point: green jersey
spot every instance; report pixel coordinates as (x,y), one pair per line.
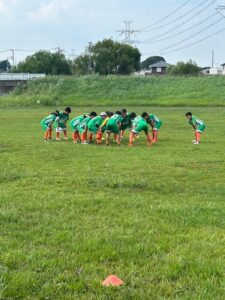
(83,124)
(196,122)
(115,119)
(153,118)
(95,124)
(154,122)
(126,122)
(75,121)
(63,118)
(49,119)
(140,124)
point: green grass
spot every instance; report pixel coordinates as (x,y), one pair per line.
(70,215)
(114,90)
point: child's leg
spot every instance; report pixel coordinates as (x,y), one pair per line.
(74,136)
(57,135)
(148,138)
(65,134)
(118,139)
(131,139)
(46,134)
(155,136)
(50,133)
(198,136)
(84,137)
(99,137)
(107,138)
(90,137)
(78,136)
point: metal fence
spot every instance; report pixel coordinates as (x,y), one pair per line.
(20,76)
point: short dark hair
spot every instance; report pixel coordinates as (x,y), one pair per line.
(93,114)
(133,115)
(123,110)
(117,112)
(55,113)
(144,114)
(68,109)
(188,114)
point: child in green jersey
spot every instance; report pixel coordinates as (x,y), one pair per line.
(62,120)
(83,127)
(155,123)
(113,126)
(102,128)
(74,126)
(198,126)
(94,125)
(140,124)
(127,121)
(46,124)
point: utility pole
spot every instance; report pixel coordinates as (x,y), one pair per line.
(89,55)
(127,32)
(12,56)
(58,49)
(212,58)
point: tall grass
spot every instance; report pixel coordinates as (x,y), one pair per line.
(115,90)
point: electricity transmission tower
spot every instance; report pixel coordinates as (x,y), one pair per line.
(127,32)
(220,10)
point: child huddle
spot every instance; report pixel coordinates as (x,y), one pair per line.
(86,126)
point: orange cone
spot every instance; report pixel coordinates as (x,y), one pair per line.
(112,280)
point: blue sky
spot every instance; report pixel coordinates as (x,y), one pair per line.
(71,24)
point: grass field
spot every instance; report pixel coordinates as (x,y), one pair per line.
(70,215)
(119,91)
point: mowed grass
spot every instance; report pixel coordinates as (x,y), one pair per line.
(70,215)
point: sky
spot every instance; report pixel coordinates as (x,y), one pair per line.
(164,27)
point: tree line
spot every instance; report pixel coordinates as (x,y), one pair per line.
(106,57)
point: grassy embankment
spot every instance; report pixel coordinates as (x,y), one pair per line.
(116,91)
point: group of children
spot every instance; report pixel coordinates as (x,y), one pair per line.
(86,126)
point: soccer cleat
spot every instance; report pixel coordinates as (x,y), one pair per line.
(193,141)
(57,139)
(196,143)
(84,143)
(65,138)
(130,145)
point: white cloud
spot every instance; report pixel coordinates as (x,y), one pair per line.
(52,10)
(4,8)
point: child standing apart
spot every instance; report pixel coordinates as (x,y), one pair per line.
(198,126)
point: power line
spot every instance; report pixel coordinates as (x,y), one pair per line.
(183,31)
(189,45)
(166,17)
(182,16)
(185,22)
(191,36)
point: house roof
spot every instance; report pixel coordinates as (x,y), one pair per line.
(223,65)
(159,64)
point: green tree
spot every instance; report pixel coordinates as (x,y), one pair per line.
(182,68)
(5,65)
(45,62)
(108,57)
(151,60)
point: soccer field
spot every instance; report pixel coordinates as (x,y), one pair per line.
(70,215)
